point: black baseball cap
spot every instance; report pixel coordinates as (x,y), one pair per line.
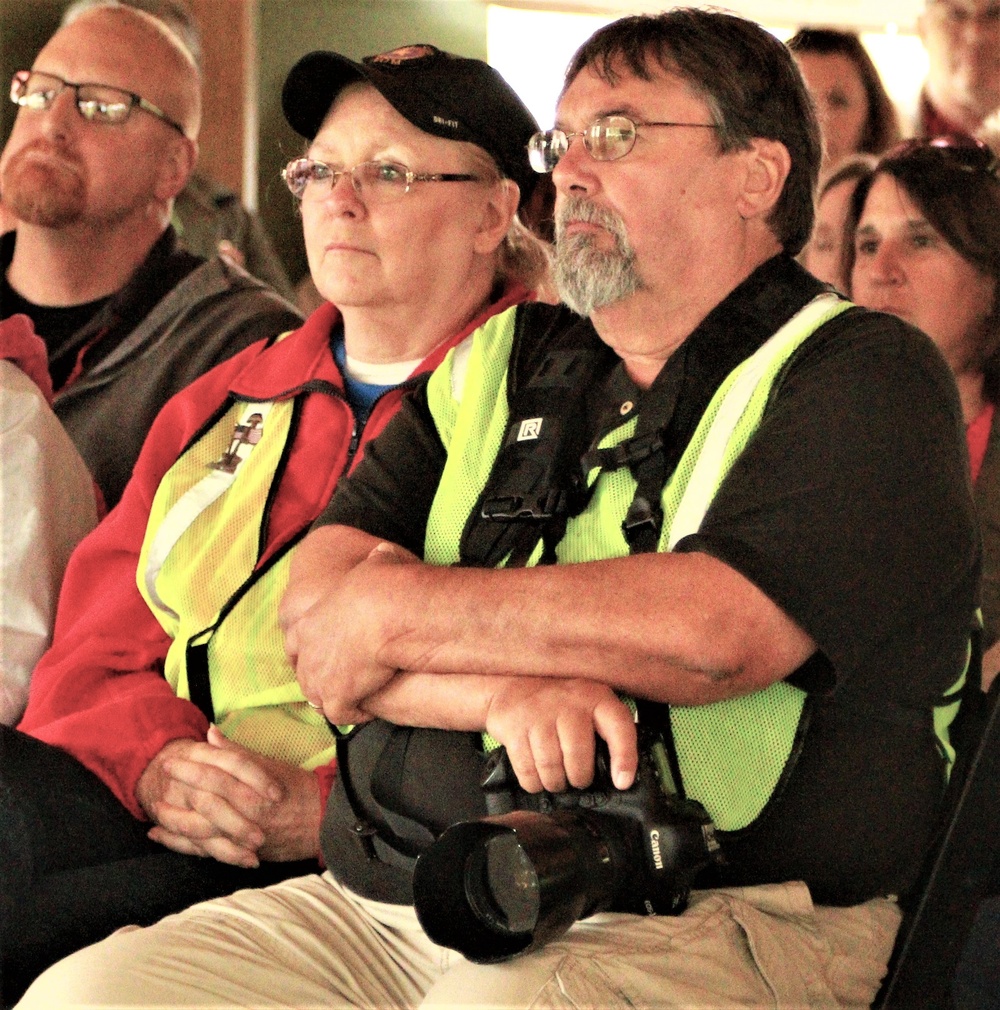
(440,93)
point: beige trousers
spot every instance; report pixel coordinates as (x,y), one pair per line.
(309,943)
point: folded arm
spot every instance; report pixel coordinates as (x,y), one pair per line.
(374,632)
(680,628)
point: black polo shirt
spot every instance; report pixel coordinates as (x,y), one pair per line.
(850,508)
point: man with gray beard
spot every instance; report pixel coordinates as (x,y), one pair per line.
(713,538)
(105,138)
(586,277)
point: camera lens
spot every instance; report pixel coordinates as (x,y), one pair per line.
(501,885)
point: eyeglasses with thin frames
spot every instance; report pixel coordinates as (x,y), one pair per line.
(606,139)
(374,181)
(97,103)
(956,15)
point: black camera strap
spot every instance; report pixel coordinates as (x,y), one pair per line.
(650,455)
(654,728)
(536,484)
(539,478)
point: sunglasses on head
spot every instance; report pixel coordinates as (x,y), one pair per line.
(967,153)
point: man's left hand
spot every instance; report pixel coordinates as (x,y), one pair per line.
(335,645)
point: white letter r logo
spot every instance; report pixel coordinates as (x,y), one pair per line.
(529,429)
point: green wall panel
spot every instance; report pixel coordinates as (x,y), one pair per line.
(288,29)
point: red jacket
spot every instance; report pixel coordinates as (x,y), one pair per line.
(98,692)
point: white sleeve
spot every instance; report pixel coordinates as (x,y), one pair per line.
(47,506)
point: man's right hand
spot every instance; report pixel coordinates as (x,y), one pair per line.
(336,644)
(208,801)
(550,728)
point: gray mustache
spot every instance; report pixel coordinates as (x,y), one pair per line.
(576,210)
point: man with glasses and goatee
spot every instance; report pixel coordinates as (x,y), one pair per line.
(719,520)
(105,138)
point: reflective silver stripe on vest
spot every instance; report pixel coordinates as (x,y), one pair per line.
(703,483)
(460,366)
(192,503)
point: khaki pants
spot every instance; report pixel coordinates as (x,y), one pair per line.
(310,943)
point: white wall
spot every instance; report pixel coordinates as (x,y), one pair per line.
(859,14)
(531,47)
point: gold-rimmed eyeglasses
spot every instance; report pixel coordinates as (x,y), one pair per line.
(97,103)
(606,139)
(372,180)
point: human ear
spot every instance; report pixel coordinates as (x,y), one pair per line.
(176,167)
(498,213)
(767,164)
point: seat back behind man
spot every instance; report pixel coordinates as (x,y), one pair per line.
(959,872)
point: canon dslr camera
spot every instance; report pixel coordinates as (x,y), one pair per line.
(506,884)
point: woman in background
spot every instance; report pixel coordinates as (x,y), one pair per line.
(927,249)
(826,254)
(855,111)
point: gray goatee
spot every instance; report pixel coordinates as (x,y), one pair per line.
(588,277)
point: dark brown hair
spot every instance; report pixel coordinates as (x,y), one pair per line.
(957,190)
(748,78)
(856,168)
(882,122)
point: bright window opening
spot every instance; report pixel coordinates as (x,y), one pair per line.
(532,48)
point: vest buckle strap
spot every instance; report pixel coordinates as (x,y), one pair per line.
(510,508)
(629,453)
(641,520)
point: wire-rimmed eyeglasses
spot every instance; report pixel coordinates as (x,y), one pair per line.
(97,103)
(606,139)
(372,180)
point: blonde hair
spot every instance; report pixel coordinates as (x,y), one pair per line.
(522,258)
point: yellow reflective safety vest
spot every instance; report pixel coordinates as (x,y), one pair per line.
(198,573)
(731,754)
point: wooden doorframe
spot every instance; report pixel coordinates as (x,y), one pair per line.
(229,87)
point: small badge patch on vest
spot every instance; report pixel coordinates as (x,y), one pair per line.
(248,434)
(529,429)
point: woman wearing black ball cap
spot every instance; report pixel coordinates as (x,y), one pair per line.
(415,168)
